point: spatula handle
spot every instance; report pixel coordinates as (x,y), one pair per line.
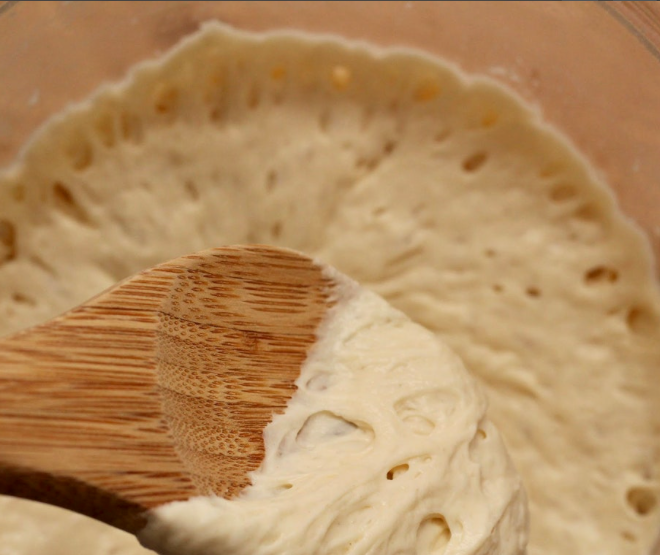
(160,388)
(81,422)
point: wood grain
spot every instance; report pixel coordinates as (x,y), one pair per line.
(160,388)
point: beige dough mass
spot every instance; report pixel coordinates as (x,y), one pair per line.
(440,192)
(384,448)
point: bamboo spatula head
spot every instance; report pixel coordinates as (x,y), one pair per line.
(158,389)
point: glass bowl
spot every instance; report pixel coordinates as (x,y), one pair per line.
(592,68)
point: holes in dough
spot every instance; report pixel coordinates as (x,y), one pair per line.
(562,192)
(40,263)
(18,192)
(324,120)
(130,127)
(418,209)
(640,319)
(600,274)
(270,538)
(441,136)
(419,424)
(367,117)
(389,147)
(476,445)
(551,169)
(320,382)
(278,73)
(433,536)
(253,97)
(341,77)
(367,164)
(105,129)
(422,412)
(281,488)
(217,113)
(20,298)
(587,213)
(348,528)
(427,90)
(533,292)
(272,178)
(489,119)
(80,154)
(7,241)
(213,94)
(628,536)
(643,500)
(475,161)
(65,202)
(397,471)
(276,230)
(165,99)
(326,427)
(62,194)
(404,257)
(191,190)
(585,223)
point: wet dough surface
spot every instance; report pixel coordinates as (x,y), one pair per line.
(385,447)
(439,192)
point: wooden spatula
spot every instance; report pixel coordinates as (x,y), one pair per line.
(158,389)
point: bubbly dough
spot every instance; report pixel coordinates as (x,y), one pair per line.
(440,192)
(384,448)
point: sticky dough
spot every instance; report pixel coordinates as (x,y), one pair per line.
(441,192)
(384,448)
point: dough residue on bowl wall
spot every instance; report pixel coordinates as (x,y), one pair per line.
(442,193)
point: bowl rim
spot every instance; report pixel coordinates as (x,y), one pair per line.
(641,19)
